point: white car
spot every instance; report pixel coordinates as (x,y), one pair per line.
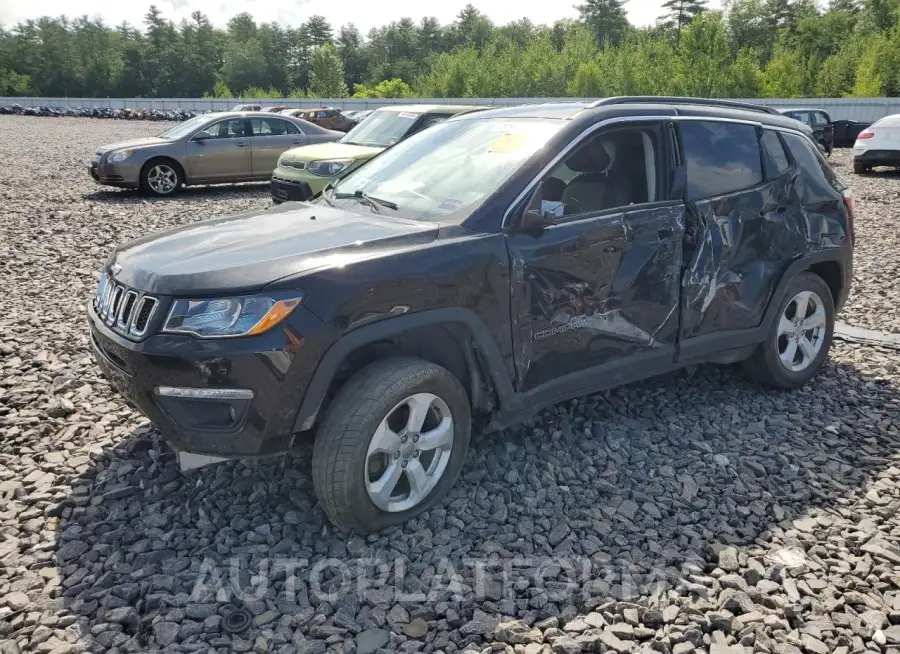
(877,145)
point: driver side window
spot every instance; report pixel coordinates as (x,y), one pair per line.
(611,170)
(227,129)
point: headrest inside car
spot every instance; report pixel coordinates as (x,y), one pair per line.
(589,158)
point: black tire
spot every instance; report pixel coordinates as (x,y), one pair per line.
(765,365)
(861,168)
(340,464)
(148,187)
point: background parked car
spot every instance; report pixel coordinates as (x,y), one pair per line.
(276,108)
(246,107)
(819,121)
(214,148)
(846,131)
(878,145)
(303,172)
(324,117)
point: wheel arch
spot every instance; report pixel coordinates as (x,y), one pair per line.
(832,265)
(453,338)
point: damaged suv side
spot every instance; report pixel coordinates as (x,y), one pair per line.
(476,272)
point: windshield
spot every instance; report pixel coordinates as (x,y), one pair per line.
(186,128)
(448,170)
(381,129)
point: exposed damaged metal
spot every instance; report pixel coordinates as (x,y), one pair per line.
(595,290)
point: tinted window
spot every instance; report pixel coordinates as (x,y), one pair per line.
(721,158)
(774,154)
(809,159)
(272,127)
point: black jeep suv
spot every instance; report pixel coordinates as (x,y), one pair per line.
(483,269)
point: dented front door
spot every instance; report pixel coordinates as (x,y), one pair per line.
(594,292)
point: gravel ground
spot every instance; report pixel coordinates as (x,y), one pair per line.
(692,512)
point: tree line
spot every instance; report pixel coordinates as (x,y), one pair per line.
(751,48)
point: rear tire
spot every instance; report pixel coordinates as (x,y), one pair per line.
(374,463)
(161,177)
(799,338)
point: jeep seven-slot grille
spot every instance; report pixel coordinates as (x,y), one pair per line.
(125,310)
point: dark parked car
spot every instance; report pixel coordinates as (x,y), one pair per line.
(819,121)
(491,265)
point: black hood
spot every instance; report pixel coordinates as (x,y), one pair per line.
(243,253)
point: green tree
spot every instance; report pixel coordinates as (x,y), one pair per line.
(606,19)
(353,55)
(779,79)
(326,73)
(243,65)
(319,30)
(680,13)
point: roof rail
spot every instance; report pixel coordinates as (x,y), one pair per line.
(670,99)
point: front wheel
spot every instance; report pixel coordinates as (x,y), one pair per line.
(861,168)
(161,177)
(800,336)
(391,445)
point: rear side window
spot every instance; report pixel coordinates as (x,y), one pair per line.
(774,155)
(720,157)
(819,119)
(809,159)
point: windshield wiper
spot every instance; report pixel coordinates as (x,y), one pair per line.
(367,199)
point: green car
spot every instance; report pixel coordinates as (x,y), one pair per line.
(303,172)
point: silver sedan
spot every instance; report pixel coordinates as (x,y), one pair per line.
(209,149)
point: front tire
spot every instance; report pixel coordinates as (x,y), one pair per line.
(391,445)
(861,168)
(161,177)
(799,338)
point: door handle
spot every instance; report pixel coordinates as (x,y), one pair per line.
(665,232)
(297,141)
(241,144)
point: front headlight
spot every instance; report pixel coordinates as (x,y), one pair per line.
(119,157)
(329,167)
(222,317)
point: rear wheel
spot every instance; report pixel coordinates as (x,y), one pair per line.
(161,177)
(798,341)
(391,445)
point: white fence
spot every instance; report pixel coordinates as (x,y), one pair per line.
(860,109)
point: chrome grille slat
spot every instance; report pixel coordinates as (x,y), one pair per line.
(142,314)
(126,310)
(114,303)
(126,307)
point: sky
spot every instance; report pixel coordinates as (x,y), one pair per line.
(365,14)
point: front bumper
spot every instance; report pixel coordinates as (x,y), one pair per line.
(257,422)
(286,190)
(122,175)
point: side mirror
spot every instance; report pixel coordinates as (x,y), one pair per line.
(537,217)
(202,136)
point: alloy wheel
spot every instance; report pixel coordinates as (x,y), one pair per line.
(801,331)
(409,452)
(162,179)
